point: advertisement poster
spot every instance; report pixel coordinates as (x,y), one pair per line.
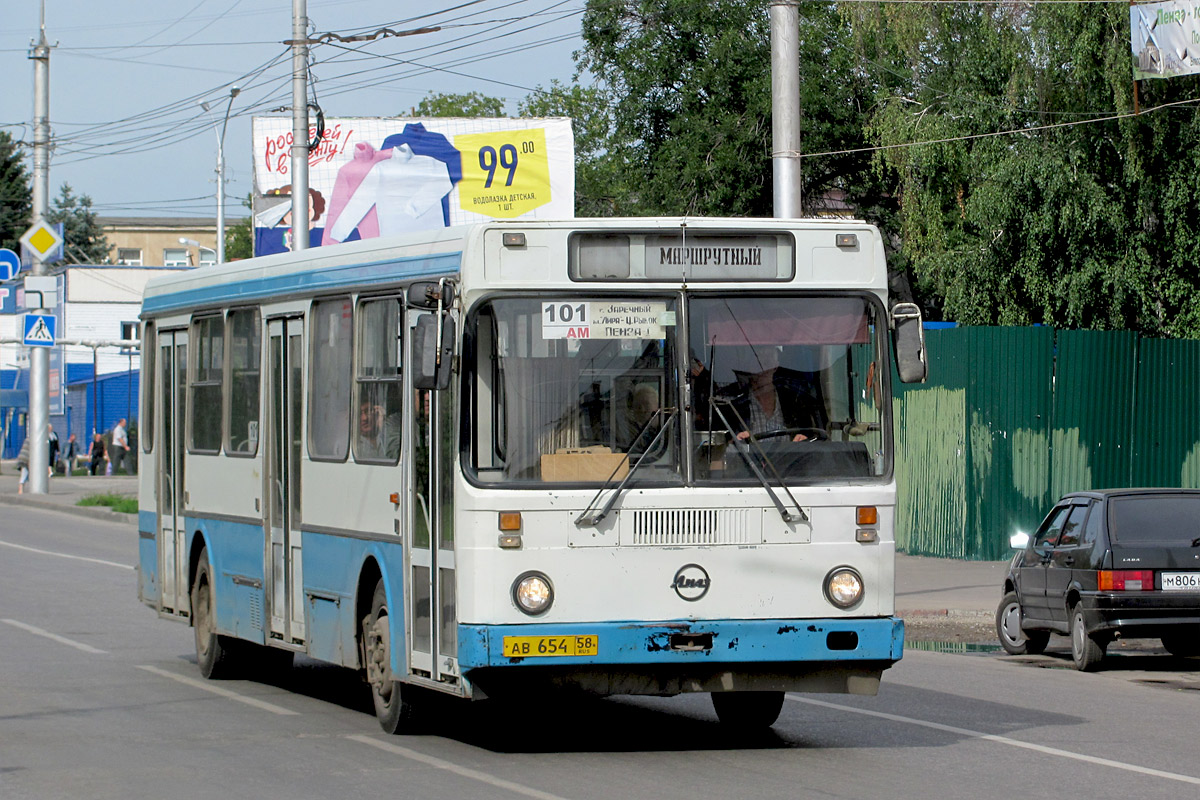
(373,177)
(1165,39)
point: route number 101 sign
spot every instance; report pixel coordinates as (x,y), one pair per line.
(623,320)
(504,173)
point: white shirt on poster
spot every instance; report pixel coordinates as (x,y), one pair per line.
(406,190)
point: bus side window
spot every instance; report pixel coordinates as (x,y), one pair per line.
(207,374)
(330,376)
(245,345)
(378,395)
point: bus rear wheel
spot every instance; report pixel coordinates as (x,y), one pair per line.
(393,707)
(215,654)
(747,711)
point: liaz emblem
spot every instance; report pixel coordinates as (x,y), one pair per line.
(691,582)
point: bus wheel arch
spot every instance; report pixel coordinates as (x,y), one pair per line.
(368,578)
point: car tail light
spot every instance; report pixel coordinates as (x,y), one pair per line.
(1126,580)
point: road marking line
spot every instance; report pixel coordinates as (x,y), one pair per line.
(65,555)
(450,766)
(87,648)
(209,687)
(1053,751)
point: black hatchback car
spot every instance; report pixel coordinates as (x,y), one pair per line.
(1103,564)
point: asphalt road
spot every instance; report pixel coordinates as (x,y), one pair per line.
(101,699)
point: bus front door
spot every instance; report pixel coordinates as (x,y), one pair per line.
(172,533)
(284,565)
(432,608)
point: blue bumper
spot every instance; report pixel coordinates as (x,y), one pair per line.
(780,641)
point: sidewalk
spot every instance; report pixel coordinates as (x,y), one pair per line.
(925,587)
(66,492)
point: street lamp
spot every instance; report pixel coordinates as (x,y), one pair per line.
(233,92)
(194,243)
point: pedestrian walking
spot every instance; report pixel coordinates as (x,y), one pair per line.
(52,441)
(71,453)
(23,466)
(120,446)
(96,454)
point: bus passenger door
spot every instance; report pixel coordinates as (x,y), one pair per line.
(432,609)
(172,533)
(281,471)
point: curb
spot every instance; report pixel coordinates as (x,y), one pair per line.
(91,512)
(946,612)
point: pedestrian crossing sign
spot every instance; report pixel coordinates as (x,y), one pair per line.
(40,330)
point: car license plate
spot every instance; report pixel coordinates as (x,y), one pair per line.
(1181,581)
(538,646)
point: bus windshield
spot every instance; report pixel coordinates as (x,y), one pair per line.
(577,389)
(573,389)
(792,383)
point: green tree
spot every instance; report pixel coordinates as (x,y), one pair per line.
(690,84)
(16,198)
(471,104)
(239,235)
(239,240)
(599,182)
(84,239)
(1092,225)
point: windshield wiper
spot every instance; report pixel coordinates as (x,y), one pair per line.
(590,515)
(743,449)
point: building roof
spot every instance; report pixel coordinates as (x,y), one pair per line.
(157,222)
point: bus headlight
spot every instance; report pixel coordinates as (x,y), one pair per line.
(533,593)
(843,587)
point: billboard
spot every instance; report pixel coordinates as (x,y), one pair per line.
(372,177)
(1165,39)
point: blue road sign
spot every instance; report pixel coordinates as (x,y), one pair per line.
(39,330)
(10,264)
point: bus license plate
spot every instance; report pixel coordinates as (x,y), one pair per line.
(537,646)
(1181,581)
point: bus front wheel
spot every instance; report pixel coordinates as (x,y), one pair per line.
(394,710)
(747,711)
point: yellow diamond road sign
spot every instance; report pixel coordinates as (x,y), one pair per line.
(42,239)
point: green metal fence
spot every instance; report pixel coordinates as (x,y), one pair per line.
(1011,418)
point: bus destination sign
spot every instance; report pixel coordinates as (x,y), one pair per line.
(606,320)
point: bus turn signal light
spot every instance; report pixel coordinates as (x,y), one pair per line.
(1126,580)
(510,520)
(868,515)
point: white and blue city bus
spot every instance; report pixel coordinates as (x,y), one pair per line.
(622,456)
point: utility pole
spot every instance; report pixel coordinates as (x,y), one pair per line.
(785,108)
(299,125)
(39,358)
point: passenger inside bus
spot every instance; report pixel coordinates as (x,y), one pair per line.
(640,424)
(773,400)
(378,433)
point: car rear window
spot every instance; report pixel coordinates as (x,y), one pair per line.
(1166,519)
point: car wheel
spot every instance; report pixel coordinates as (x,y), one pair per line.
(1008,628)
(1086,651)
(1183,645)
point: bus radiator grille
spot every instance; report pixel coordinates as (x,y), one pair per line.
(689,526)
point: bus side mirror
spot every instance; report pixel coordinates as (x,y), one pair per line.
(428,294)
(432,367)
(909,343)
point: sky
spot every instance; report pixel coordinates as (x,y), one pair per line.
(127,78)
